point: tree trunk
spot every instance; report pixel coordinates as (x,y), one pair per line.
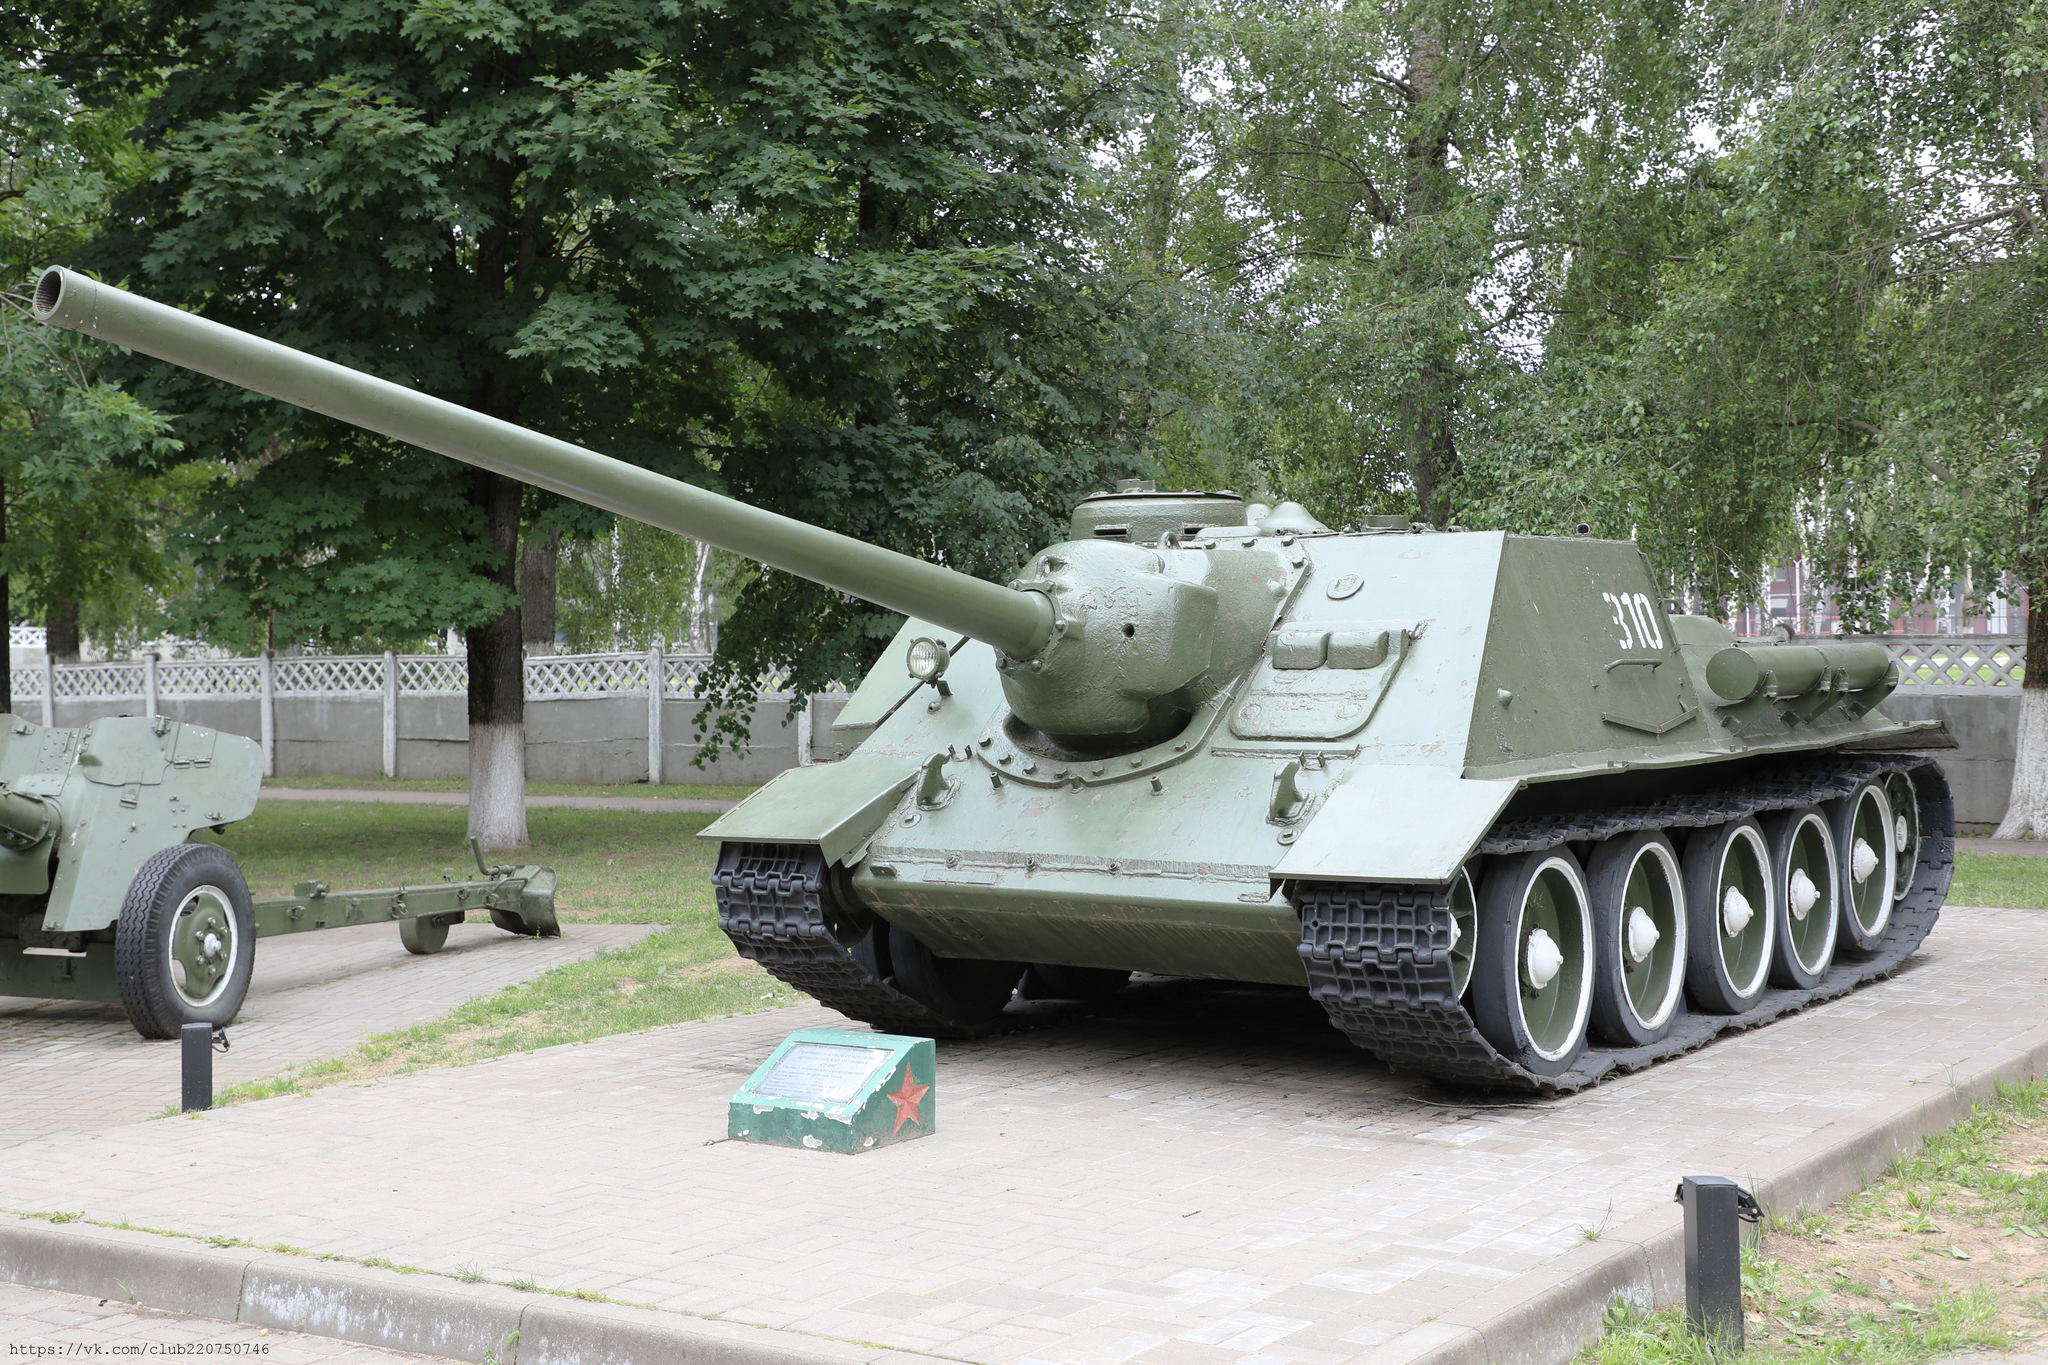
(1427,405)
(700,627)
(497,684)
(60,633)
(2027,811)
(539,556)
(6,621)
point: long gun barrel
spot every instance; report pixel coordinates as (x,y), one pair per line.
(1018,623)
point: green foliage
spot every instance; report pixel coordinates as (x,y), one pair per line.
(85,503)
(639,585)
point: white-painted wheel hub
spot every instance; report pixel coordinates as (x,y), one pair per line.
(1543,958)
(1736,912)
(1642,934)
(210,946)
(1899,834)
(1456,932)
(1803,894)
(1862,861)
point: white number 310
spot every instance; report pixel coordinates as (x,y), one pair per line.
(1635,610)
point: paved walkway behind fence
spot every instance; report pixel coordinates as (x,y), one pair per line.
(689,804)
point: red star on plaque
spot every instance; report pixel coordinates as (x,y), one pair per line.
(907,1100)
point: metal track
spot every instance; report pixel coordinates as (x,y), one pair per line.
(772,901)
(1378,956)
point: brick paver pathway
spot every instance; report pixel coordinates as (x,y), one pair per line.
(67,1066)
(1203,1177)
(38,1322)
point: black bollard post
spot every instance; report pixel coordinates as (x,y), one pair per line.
(1715,1209)
(196,1042)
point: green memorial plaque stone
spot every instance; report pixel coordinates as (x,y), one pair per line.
(838,1091)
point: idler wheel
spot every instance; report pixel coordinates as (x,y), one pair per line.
(1803,878)
(1905,804)
(1867,861)
(1639,933)
(1532,978)
(1733,912)
(186,941)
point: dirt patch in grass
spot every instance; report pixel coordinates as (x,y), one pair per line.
(1947,1253)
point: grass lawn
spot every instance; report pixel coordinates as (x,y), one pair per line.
(617,866)
(1947,1253)
(2017,883)
(709,792)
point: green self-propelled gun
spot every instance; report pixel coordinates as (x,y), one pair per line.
(1509,820)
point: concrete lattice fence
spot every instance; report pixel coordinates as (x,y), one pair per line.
(594,718)
(590,717)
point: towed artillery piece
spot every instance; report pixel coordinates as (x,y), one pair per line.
(103,897)
(1509,820)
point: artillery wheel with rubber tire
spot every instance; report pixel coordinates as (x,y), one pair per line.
(1532,977)
(1728,894)
(185,944)
(1865,858)
(1804,879)
(1639,932)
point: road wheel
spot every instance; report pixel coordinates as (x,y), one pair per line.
(1639,937)
(1532,979)
(1073,983)
(1866,859)
(1905,803)
(1464,928)
(426,934)
(1803,878)
(1733,916)
(967,992)
(186,941)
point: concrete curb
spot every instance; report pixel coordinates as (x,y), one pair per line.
(1540,1318)
(688,805)
(423,1313)
(1546,1316)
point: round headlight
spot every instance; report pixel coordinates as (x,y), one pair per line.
(927,659)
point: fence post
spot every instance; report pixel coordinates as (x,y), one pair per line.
(390,713)
(266,711)
(657,684)
(149,684)
(49,690)
(803,734)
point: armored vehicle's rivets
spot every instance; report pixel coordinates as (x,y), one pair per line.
(1507,696)
(1030,767)
(1004,758)
(910,818)
(1059,772)
(1249,541)
(1137,760)
(986,740)
(952,860)
(1095,771)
